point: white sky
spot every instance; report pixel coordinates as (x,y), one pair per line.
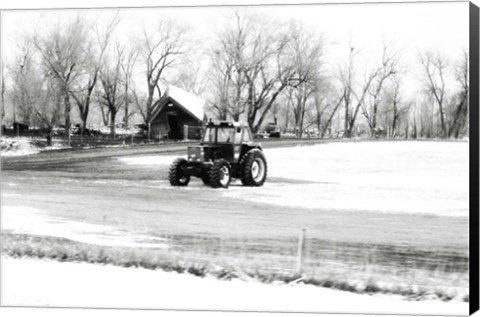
(412,27)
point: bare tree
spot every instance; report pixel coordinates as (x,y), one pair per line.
(48,105)
(335,106)
(127,69)
(395,98)
(314,115)
(346,75)
(111,94)
(353,100)
(412,117)
(2,100)
(270,72)
(36,95)
(23,92)
(253,68)
(396,108)
(160,51)
(221,84)
(387,68)
(105,115)
(286,99)
(94,51)
(191,79)
(306,53)
(230,61)
(61,50)
(460,102)
(434,67)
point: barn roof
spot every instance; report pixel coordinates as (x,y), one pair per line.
(191,103)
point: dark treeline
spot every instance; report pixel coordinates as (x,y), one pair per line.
(257,70)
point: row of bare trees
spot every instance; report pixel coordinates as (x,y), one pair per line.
(255,62)
(258,71)
(78,64)
(262,70)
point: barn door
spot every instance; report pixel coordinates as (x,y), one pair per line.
(176,132)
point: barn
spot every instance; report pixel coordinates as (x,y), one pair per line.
(179,115)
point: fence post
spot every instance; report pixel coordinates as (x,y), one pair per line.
(300,251)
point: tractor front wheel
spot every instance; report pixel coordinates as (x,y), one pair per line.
(176,173)
(220,175)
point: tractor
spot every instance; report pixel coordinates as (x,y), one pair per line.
(226,151)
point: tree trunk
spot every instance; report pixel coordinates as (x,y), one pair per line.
(126,114)
(395,115)
(329,121)
(414,136)
(287,114)
(113,114)
(407,129)
(319,122)
(148,110)
(2,110)
(351,123)
(68,108)
(49,136)
(442,122)
(346,121)
(374,120)
(298,110)
(84,121)
(459,114)
(105,116)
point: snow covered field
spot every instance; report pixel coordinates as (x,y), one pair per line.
(401,177)
(28,220)
(19,146)
(87,285)
(370,209)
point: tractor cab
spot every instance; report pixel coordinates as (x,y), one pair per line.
(226,132)
(227,140)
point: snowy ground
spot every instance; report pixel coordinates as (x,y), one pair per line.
(351,196)
(87,285)
(27,220)
(400,177)
(20,146)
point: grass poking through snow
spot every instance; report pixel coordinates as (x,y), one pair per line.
(419,284)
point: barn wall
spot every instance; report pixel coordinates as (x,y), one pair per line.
(160,126)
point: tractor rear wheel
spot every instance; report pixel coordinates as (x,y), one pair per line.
(254,168)
(220,175)
(176,173)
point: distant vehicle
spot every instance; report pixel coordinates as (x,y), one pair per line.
(77,130)
(380,132)
(226,151)
(20,127)
(272,130)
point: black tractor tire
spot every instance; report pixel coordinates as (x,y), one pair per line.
(220,174)
(254,168)
(176,174)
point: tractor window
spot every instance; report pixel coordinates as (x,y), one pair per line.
(225,135)
(209,136)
